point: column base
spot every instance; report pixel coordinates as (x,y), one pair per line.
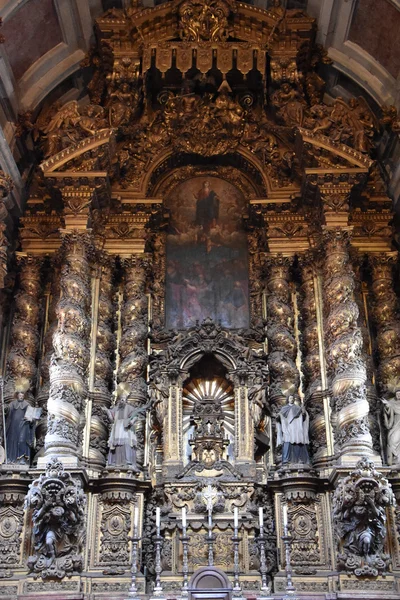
(69,462)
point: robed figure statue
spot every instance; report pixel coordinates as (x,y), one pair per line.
(122,442)
(292,433)
(20,428)
(391,419)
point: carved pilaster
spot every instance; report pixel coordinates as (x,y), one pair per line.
(158,279)
(132,347)
(386,318)
(69,363)
(103,362)
(314,367)
(24,334)
(344,342)
(280,328)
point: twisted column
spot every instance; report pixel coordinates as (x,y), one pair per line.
(386,319)
(315,381)
(103,363)
(69,363)
(132,347)
(282,348)
(22,359)
(344,343)
(255,278)
(50,328)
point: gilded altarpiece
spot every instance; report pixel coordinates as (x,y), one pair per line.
(206,248)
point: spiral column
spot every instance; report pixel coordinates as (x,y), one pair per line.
(282,347)
(314,368)
(346,364)
(103,363)
(22,359)
(51,326)
(132,347)
(70,360)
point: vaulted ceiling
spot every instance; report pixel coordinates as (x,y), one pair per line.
(45,42)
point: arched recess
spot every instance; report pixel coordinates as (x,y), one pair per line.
(173,367)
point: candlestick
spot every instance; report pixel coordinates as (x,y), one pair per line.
(261,517)
(287,540)
(185,562)
(237,590)
(133,591)
(210,539)
(158,540)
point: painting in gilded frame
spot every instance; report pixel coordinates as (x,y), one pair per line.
(207,265)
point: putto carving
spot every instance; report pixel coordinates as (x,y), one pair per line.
(57,502)
(360,503)
(201,21)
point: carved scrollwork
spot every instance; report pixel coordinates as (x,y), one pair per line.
(360,503)
(57,502)
(200,21)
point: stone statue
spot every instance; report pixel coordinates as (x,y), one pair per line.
(122,442)
(57,502)
(359,516)
(292,429)
(20,426)
(391,419)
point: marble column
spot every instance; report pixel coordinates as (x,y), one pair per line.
(22,359)
(70,360)
(314,368)
(133,344)
(102,377)
(344,343)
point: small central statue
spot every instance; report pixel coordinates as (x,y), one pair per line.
(292,425)
(122,442)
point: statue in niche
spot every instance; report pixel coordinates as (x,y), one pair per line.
(292,429)
(122,442)
(391,419)
(20,426)
(257,399)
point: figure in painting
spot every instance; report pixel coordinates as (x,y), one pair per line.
(292,429)
(391,419)
(20,426)
(207,208)
(122,442)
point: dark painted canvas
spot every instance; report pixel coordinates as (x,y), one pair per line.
(207,268)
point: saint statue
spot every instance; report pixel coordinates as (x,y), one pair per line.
(20,426)
(391,419)
(292,428)
(122,442)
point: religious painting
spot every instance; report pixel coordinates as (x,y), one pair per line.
(207,268)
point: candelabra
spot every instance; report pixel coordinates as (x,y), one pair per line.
(287,540)
(158,587)
(237,590)
(185,562)
(133,591)
(265,591)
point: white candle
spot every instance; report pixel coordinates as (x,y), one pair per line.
(158,517)
(184,516)
(261,516)
(236,517)
(136,518)
(285,519)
